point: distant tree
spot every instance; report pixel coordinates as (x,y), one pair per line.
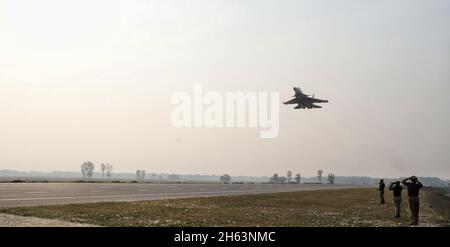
(289,176)
(109,170)
(140,175)
(91,170)
(87,169)
(103,168)
(83,170)
(282,180)
(225,178)
(331,178)
(297,178)
(319,175)
(274,178)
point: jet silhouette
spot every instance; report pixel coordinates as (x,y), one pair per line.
(304,101)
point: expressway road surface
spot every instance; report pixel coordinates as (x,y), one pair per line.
(35,194)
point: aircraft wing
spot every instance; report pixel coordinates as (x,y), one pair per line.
(292,101)
(313,100)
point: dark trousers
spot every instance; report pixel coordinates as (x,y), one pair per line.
(414,206)
(397,205)
(382,197)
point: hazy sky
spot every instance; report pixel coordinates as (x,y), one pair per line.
(92,80)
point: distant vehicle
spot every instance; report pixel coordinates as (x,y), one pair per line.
(304,101)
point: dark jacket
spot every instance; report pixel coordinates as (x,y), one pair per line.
(413,187)
(397,190)
(381,186)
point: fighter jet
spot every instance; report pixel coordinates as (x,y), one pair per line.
(304,101)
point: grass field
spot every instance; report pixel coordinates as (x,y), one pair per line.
(345,207)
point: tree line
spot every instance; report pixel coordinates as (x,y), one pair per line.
(288,179)
(87,169)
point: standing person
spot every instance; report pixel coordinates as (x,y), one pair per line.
(381,187)
(413,197)
(397,192)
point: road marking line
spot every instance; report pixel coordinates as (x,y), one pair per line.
(36,192)
(155,194)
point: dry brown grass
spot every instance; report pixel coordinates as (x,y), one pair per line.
(344,207)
